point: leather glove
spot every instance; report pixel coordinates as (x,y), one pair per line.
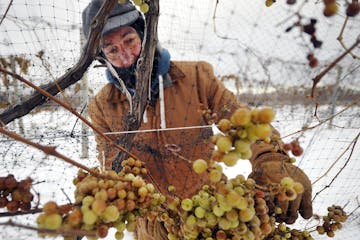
(271,168)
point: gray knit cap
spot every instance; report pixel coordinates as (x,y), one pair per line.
(123,14)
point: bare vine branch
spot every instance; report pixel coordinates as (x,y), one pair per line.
(317,79)
(342,168)
(323,121)
(338,158)
(6,11)
(60,231)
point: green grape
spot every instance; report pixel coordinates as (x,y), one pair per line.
(246,155)
(242,204)
(98,206)
(200,166)
(110,214)
(224,144)
(53,221)
(298,187)
(242,145)
(101,194)
(215,175)
(246,214)
(266,114)
(121,194)
(199,212)
(144,8)
(120,226)
(224,223)
(233,198)
(224,125)
(131,226)
(138,2)
(190,220)
(187,204)
(143,191)
(88,200)
(230,159)
(287,182)
(241,117)
(204,202)
(232,215)
(89,217)
(235,223)
(218,211)
(50,207)
(211,219)
(262,131)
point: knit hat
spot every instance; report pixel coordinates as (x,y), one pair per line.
(123,14)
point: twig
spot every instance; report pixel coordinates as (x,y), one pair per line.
(342,168)
(6,11)
(50,150)
(358,206)
(60,231)
(67,197)
(322,122)
(340,37)
(317,79)
(31,211)
(338,158)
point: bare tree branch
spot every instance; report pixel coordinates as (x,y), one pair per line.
(90,51)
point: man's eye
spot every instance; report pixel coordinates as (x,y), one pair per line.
(129,40)
(113,50)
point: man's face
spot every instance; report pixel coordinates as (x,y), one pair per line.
(122,46)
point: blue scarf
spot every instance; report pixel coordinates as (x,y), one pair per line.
(161,67)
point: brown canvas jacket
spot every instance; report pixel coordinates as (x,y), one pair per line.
(194,87)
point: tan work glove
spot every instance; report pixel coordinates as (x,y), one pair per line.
(272,168)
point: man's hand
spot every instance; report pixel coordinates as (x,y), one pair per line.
(271,168)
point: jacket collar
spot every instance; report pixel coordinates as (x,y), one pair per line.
(170,79)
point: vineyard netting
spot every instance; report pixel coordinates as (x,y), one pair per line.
(260,53)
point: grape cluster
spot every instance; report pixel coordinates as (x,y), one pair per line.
(281,232)
(289,189)
(244,127)
(333,221)
(229,209)
(143,6)
(104,203)
(15,195)
(133,166)
(294,147)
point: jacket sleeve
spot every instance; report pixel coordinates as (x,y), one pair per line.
(223,102)
(105,152)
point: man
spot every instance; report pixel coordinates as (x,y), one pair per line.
(187,88)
